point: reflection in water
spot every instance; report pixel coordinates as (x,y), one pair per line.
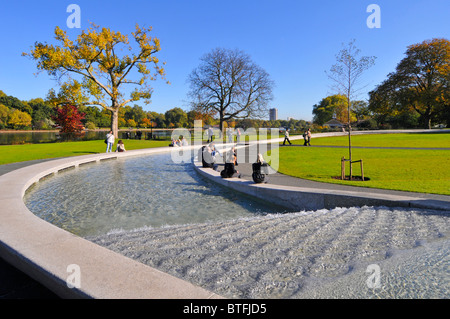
(35,137)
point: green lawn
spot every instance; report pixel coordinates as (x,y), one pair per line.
(426,171)
(27,152)
(417,140)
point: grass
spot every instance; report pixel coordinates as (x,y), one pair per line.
(417,140)
(27,152)
(415,170)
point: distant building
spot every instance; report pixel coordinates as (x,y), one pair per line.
(273,114)
(333,123)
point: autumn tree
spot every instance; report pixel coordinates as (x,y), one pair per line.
(69,118)
(4,112)
(107,65)
(419,84)
(18,119)
(194,115)
(229,84)
(333,106)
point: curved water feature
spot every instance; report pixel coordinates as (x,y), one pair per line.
(129,193)
(163,215)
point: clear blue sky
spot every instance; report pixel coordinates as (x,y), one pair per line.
(294,41)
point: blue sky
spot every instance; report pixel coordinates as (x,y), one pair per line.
(294,41)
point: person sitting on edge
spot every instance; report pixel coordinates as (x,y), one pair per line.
(260,170)
(230,170)
(207,158)
(120,147)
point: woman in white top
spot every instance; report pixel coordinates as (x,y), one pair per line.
(109,141)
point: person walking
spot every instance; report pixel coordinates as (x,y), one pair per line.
(210,134)
(230,135)
(286,137)
(109,141)
(308,137)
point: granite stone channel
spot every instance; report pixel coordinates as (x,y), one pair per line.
(165,215)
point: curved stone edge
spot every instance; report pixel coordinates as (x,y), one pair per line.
(301,198)
(44,251)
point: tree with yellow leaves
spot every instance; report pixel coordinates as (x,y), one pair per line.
(96,58)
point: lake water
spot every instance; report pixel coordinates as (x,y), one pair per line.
(11,138)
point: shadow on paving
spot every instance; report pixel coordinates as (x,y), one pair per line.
(15,284)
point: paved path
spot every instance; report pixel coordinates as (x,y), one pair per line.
(14,284)
(376,147)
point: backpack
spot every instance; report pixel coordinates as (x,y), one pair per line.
(228,171)
(258,177)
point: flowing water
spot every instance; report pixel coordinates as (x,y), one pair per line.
(130,193)
(163,215)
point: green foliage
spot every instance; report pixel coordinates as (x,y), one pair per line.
(328,108)
(176,117)
(420,84)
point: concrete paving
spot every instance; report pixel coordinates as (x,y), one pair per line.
(14,284)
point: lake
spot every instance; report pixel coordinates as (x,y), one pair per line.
(24,137)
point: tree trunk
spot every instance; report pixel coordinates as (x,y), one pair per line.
(221,124)
(115,122)
(349,136)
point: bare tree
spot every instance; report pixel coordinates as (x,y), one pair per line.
(345,75)
(229,84)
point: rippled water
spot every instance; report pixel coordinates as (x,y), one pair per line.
(316,254)
(130,193)
(164,215)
